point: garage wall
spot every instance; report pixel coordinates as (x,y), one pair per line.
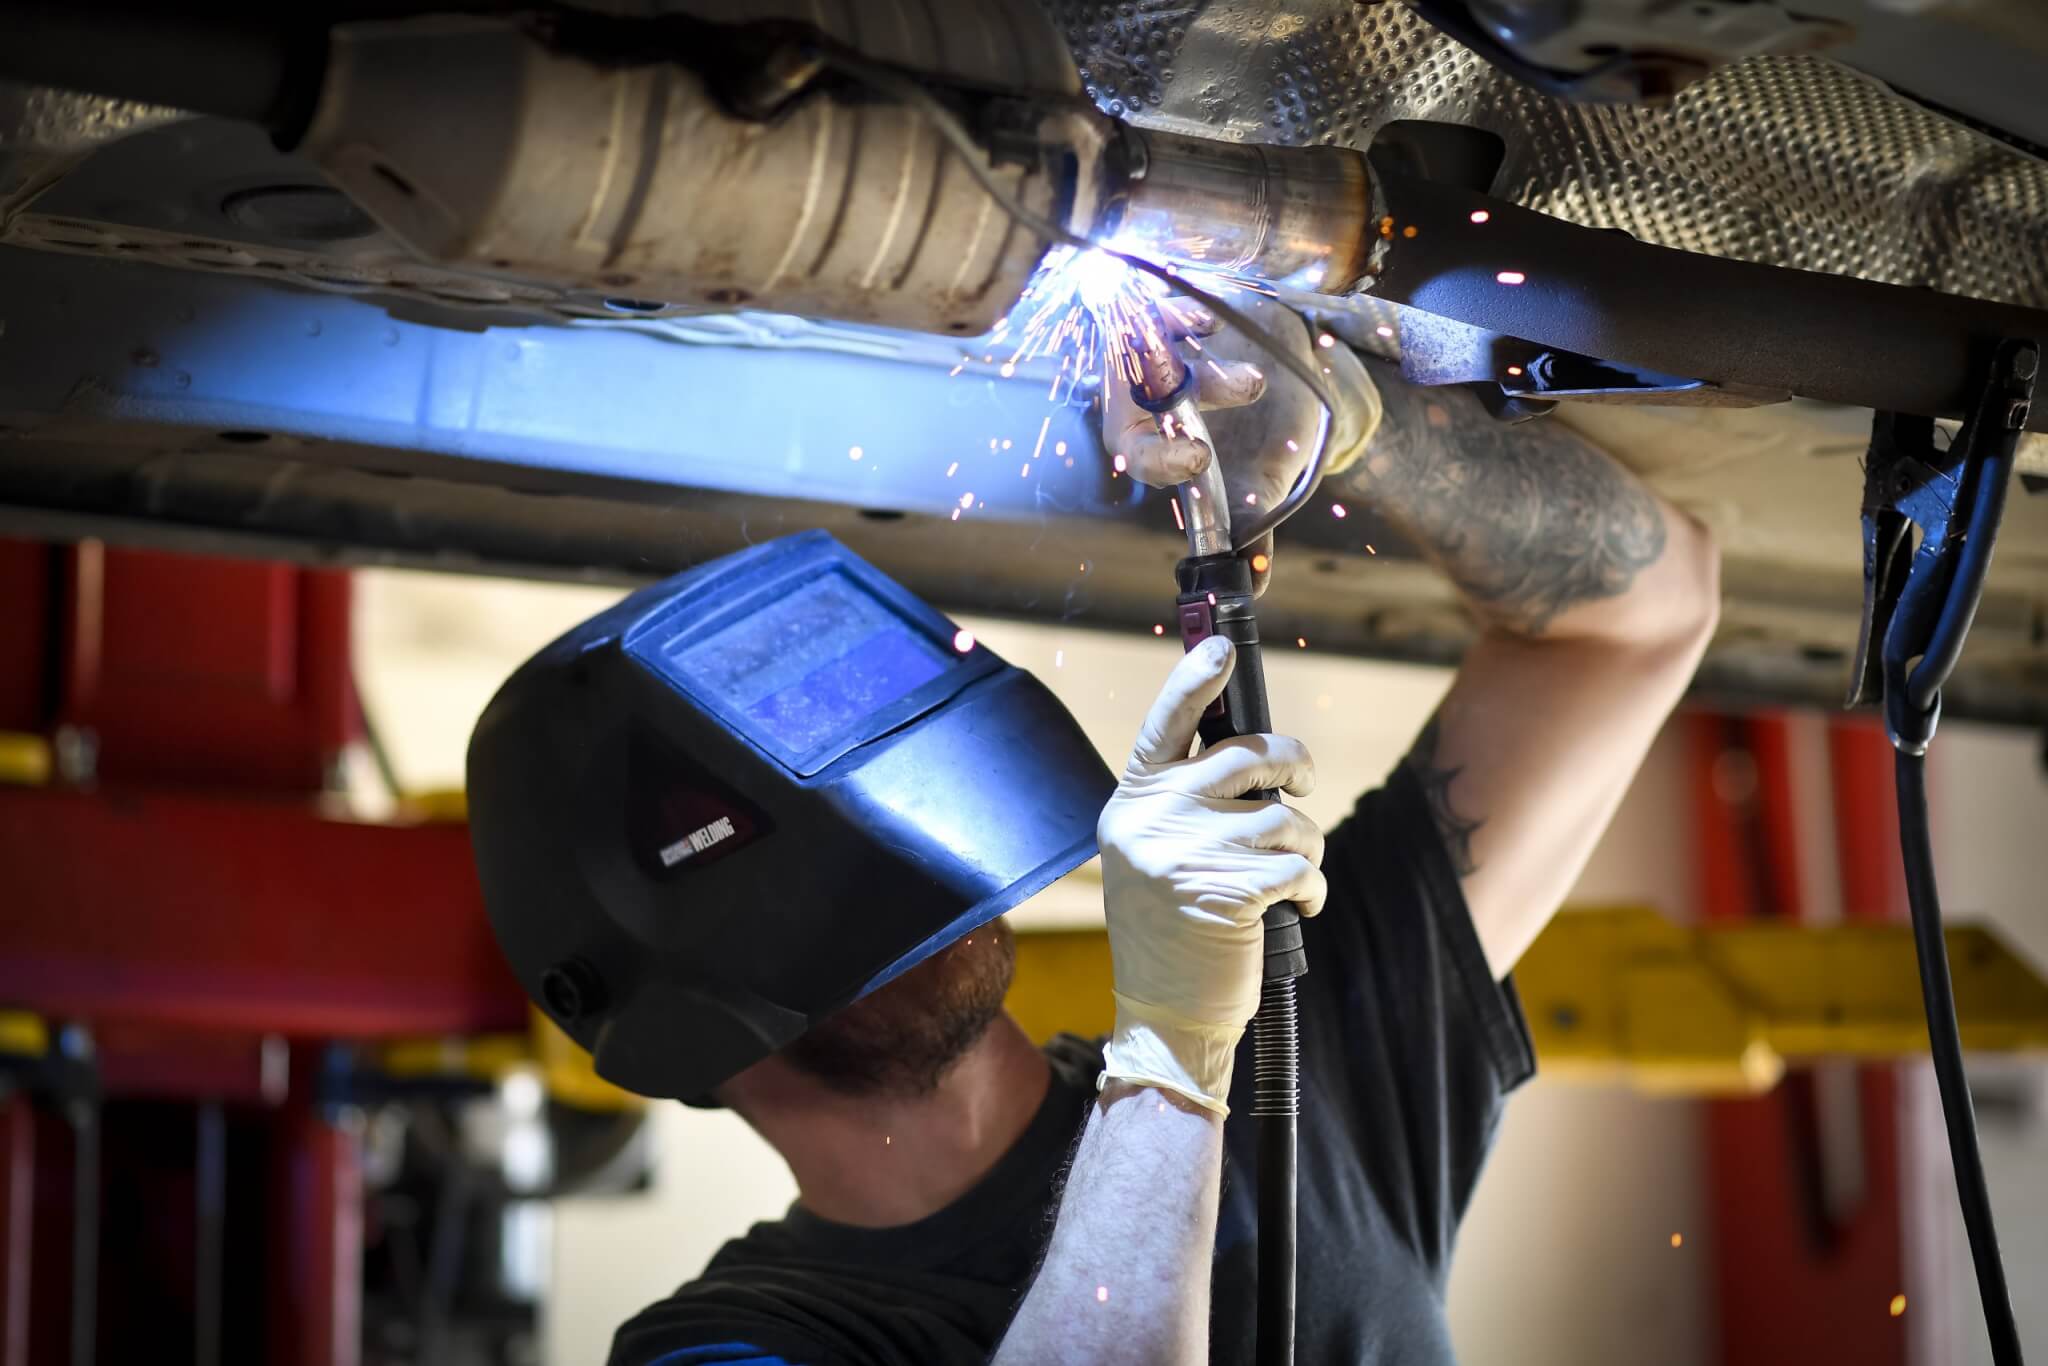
(1566,1257)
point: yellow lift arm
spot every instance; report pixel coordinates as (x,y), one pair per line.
(1624,994)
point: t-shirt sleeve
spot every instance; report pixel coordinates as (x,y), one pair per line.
(1406,1035)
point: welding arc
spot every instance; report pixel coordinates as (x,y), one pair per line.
(895,84)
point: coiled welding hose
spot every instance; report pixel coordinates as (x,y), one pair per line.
(1922,643)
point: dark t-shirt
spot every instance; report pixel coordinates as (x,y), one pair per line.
(1408,1049)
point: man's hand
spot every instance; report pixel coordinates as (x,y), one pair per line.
(1189,864)
(1265,445)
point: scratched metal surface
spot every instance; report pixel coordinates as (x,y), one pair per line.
(1791,161)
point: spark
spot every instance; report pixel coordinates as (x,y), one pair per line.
(963,640)
(1157,629)
(1678,1240)
(1510,277)
(952,469)
(1410,231)
(1514,369)
(1261,562)
(1043,427)
(1178,520)
(957,369)
(1326,341)
(955,517)
(1025,471)
(1059,448)
(1102,1294)
(887,1139)
(1059,659)
(854,453)
(1292,444)
(1251,500)
(1370,551)
(1119,464)
(1301,642)
(1898,1305)
(1480,215)
(1383,330)
(967,499)
(1009,368)
(1007,443)
(1337,511)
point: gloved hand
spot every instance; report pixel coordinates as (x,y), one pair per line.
(1188,866)
(1265,445)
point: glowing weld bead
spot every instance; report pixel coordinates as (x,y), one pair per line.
(963,640)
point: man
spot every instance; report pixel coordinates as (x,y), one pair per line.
(939,1219)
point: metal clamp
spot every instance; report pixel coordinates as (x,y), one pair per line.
(1919,599)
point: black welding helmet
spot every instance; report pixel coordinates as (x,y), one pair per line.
(738,800)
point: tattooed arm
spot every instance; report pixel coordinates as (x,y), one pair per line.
(1595,600)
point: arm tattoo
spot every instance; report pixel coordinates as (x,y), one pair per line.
(1457,830)
(1528,521)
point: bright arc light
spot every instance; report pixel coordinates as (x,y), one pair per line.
(1098,278)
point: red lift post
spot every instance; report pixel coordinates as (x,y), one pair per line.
(184,897)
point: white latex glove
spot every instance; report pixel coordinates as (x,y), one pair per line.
(1188,866)
(1263,419)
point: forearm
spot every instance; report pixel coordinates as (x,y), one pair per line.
(1126,1277)
(1543,534)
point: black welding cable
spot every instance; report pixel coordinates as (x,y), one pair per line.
(1945,1041)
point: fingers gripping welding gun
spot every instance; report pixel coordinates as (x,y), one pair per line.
(1216,599)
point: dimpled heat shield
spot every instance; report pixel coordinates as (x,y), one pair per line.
(1786,161)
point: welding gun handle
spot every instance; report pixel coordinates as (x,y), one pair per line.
(1216,600)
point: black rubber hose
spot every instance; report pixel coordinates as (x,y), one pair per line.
(1276,1103)
(1945,1041)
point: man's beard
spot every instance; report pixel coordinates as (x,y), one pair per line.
(897,1042)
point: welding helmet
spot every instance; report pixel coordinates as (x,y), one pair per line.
(713,815)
